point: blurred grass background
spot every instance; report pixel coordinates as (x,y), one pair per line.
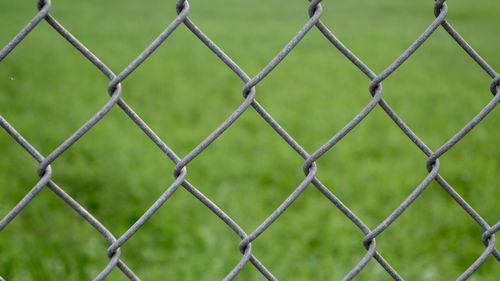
(183,92)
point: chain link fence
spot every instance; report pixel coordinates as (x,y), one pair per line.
(315,11)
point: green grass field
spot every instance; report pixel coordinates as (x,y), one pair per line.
(48,90)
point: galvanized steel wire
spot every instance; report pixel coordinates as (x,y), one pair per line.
(310,169)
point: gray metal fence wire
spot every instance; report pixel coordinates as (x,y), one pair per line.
(375,89)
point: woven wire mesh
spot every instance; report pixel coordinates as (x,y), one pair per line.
(310,168)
